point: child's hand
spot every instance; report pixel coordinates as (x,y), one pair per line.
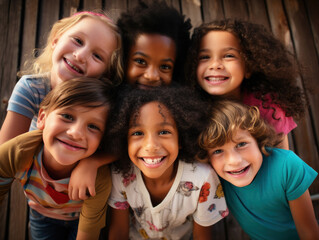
(82,180)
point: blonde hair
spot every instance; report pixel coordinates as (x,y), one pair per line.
(229,116)
(43,63)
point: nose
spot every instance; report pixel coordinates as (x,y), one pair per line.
(81,55)
(152,74)
(76,131)
(233,158)
(216,64)
(151,144)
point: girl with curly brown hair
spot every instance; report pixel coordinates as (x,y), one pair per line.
(241,60)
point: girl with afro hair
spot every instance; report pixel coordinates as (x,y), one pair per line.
(155,42)
(159,191)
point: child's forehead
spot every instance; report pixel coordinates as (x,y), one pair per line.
(81,107)
(153,108)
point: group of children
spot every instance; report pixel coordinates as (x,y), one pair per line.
(175,149)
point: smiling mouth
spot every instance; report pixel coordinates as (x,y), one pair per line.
(73,67)
(216,79)
(152,161)
(71,146)
(238,172)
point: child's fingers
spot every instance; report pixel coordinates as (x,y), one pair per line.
(91,191)
(82,195)
(71,193)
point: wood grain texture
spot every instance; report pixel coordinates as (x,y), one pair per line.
(25,24)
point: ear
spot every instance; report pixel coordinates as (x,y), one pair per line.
(54,42)
(41,119)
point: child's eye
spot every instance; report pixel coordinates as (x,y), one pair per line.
(203,57)
(218,151)
(78,41)
(164,132)
(97,56)
(137,133)
(229,55)
(94,127)
(242,144)
(140,61)
(67,116)
(165,67)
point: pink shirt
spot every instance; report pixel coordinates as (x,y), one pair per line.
(282,125)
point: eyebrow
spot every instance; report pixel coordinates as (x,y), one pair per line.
(146,56)
(224,49)
(161,124)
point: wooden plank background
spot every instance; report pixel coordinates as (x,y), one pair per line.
(24,25)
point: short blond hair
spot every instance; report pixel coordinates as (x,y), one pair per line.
(43,63)
(229,116)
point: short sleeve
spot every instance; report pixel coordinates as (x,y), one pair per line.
(17,156)
(118,198)
(282,123)
(298,176)
(93,212)
(211,203)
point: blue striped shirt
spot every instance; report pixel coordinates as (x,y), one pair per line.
(27,95)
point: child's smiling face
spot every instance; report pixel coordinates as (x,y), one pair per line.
(85,49)
(153,141)
(151,61)
(71,134)
(237,161)
(221,67)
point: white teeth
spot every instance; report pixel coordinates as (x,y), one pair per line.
(238,172)
(216,78)
(152,160)
(72,66)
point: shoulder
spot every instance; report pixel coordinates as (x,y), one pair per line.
(26,141)
(199,172)
(21,149)
(271,112)
(35,81)
(287,162)
(33,85)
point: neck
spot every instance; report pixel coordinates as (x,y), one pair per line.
(55,170)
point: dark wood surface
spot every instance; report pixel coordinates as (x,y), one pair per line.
(24,25)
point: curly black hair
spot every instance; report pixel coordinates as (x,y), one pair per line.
(273,68)
(156,18)
(188,111)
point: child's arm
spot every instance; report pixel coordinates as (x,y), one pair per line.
(14,124)
(200,232)
(81,235)
(120,226)
(82,180)
(304,217)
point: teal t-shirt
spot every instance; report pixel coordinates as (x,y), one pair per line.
(262,207)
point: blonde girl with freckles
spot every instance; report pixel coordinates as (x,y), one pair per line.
(84,44)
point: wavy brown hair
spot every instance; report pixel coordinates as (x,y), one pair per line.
(273,69)
(229,116)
